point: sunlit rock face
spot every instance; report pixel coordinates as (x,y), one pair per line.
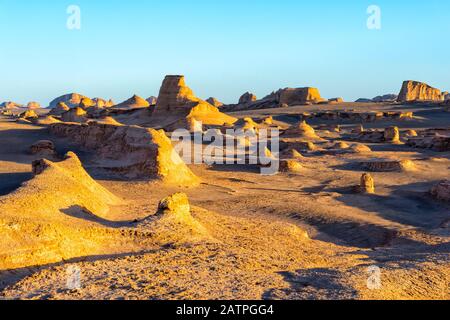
(130,150)
(177,105)
(418,91)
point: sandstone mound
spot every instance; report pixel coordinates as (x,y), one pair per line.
(60,108)
(33,105)
(291,154)
(102,103)
(109,120)
(130,150)
(72,100)
(9,105)
(442,191)
(389,165)
(29,115)
(418,91)
(74,115)
(360,148)
(135,102)
(39,222)
(177,104)
(291,166)
(303,131)
(45,121)
(392,135)
(58,186)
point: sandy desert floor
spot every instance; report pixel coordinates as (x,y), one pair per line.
(248,237)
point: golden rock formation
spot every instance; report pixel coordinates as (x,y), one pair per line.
(59,109)
(367,184)
(177,104)
(135,102)
(418,91)
(130,150)
(76,114)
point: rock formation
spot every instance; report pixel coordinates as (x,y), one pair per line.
(33,105)
(367,184)
(386,98)
(29,115)
(72,100)
(336,100)
(74,115)
(392,135)
(87,103)
(418,91)
(290,166)
(10,105)
(45,121)
(102,103)
(360,148)
(441,191)
(214,102)
(247,98)
(298,96)
(389,165)
(130,150)
(177,104)
(44,149)
(135,102)
(60,108)
(302,131)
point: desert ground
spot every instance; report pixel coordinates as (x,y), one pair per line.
(313,231)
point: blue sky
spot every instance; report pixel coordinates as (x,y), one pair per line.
(224,47)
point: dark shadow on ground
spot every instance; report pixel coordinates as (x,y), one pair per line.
(9,182)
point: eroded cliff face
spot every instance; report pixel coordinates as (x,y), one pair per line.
(130,150)
(418,91)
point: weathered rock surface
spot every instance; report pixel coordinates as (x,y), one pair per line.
(291,166)
(302,131)
(60,108)
(247,98)
(72,100)
(44,149)
(418,91)
(392,135)
(9,105)
(76,114)
(29,115)
(135,102)
(442,191)
(214,102)
(33,105)
(131,150)
(367,184)
(389,165)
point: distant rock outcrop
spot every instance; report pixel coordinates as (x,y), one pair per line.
(386,98)
(60,108)
(214,102)
(130,150)
(135,102)
(298,96)
(72,100)
(418,91)
(33,105)
(247,98)
(44,149)
(177,104)
(76,114)
(9,105)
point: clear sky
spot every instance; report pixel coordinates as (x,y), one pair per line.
(223,47)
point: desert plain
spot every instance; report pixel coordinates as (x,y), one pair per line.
(359,208)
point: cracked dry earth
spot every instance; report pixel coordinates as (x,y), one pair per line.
(290,236)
